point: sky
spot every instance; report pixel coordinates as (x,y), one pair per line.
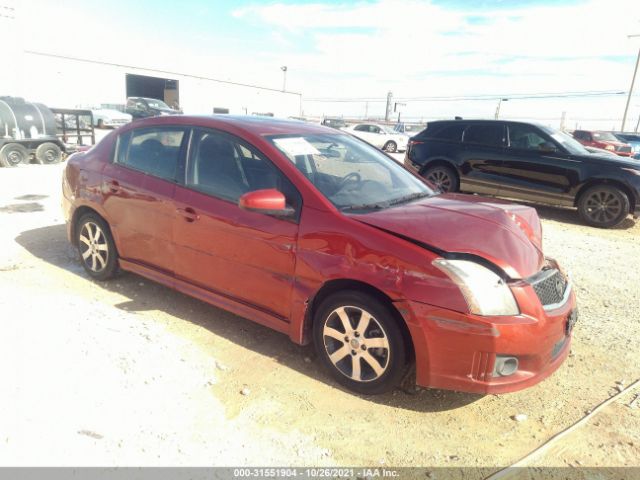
(364,49)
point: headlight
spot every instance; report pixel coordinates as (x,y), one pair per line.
(485,292)
(611,148)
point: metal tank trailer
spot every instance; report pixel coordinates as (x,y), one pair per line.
(27,132)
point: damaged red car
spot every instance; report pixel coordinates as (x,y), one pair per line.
(318,235)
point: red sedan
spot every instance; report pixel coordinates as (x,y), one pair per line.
(604,140)
(316,234)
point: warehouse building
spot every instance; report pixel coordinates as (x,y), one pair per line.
(61,80)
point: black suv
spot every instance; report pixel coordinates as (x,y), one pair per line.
(528,162)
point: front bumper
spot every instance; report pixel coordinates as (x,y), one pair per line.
(457,351)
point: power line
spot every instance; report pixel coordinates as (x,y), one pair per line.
(479,97)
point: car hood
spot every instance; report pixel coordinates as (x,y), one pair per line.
(614,143)
(111,113)
(506,234)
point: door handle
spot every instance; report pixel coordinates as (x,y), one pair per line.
(188,213)
(113,186)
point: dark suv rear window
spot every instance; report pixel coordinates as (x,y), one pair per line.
(492,135)
(448,131)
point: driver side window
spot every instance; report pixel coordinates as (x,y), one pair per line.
(526,138)
(223,166)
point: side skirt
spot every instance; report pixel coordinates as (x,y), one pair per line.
(217,300)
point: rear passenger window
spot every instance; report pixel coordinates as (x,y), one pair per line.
(452,133)
(490,135)
(155,151)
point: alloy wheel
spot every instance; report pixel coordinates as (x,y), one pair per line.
(94,248)
(441,179)
(603,206)
(356,343)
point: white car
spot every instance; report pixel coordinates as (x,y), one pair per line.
(380,136)
(107,117)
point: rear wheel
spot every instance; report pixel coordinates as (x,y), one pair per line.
(442,177)
(358,339)
(390,146)
(48,153)
(100,123)
(603,206)
(13,154)
(96,247)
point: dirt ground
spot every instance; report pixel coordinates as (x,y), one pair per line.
(131,373)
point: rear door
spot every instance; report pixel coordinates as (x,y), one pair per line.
(535,167)
(139,185)
(482,156)
(244,255)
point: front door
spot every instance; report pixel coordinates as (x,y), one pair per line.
(535,167)
(247,256)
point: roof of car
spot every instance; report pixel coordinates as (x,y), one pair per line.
(254,124)
(480,120)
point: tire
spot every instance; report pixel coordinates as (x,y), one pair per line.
(390,146)
(100,123)
(97,249)
(445,178)
(48,153)
(348,354)
(13,154)
(603,206)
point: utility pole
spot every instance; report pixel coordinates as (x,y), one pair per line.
(284,80)
(562,119)
(366,110)
(633,80)
(637,124)
(388,110)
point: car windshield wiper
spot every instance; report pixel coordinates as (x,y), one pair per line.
(364,206)
(409,198)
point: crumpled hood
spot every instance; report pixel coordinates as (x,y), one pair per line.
(506,234)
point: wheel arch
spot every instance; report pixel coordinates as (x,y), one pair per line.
(612,183)
(439,161)
(337,285)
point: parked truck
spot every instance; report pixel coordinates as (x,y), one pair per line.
(28,132)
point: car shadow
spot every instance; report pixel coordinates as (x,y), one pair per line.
(50,244)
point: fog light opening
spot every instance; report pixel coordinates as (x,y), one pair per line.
(505,366)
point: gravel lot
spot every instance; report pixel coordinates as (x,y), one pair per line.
(131,373)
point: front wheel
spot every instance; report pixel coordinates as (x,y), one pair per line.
(603,206)
(13,154)
(390,146)
(358,339)
(96,247)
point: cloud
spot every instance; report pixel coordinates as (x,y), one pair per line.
(421,48)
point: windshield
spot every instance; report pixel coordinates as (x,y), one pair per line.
(349,173)
(606,136)
(567,141)
(153,103)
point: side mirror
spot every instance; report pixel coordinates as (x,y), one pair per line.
(547,147)
(269,201)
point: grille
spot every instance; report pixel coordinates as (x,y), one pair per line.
(623,149)
(550,286)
